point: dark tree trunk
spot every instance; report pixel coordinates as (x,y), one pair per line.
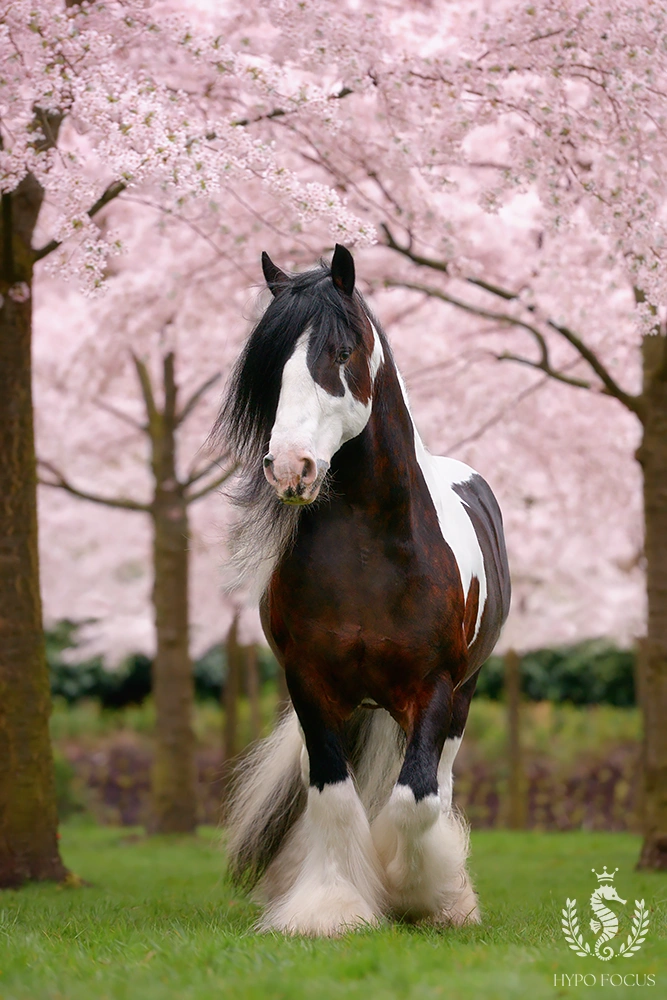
(28,816)
(174,772)
(653,654)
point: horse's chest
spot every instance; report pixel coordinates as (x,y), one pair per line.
(367,599)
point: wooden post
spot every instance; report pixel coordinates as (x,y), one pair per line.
(231,693)
(516,798)
(253,691)
(283,693)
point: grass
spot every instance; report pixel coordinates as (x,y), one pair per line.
(562,731)
(161,922)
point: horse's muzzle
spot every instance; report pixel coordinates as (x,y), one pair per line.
(295,478)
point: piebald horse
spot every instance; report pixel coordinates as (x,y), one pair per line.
(383,584)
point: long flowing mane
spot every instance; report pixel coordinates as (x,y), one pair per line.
(308,301)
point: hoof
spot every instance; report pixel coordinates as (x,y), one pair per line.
(330,914)
(463,912)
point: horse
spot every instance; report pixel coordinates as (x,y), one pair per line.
(382,580)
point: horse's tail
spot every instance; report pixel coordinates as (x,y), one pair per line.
(268,795)
(269,792)
(375,749)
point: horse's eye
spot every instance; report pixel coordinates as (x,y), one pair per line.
(343,356)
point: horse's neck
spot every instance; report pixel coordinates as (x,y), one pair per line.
(380,466)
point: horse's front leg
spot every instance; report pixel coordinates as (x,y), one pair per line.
(422,843)
(327,878)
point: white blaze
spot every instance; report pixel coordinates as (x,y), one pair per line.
(310,419)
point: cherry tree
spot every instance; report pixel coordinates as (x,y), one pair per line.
(513,160)
(96,100)
(128,388)
(510,159)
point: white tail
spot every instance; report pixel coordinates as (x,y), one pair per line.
(268,796)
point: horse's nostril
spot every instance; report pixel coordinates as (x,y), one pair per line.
(309,472)
(268,461)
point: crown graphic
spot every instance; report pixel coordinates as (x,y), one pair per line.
(605,876)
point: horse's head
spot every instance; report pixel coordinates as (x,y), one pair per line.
(325,391)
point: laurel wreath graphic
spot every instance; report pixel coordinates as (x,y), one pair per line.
(573,935)
(638,933)
(575,939)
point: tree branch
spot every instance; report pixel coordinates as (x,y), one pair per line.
(111,192)
(125,417)
(280,112)
(196,398)
(443,267)
(658,371)
(496,417)
(60,482)
(213,485)
(194,477)
(152,414)
(436,293)
(610,386)
(170,389)
(544,366)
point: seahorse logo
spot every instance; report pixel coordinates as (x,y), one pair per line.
(605,922)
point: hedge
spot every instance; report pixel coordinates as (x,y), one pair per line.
(587,673)
(130,682)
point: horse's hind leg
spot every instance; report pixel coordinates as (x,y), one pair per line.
(327,878)
(421,842)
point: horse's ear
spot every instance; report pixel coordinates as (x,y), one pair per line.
(342,269)
(275,278)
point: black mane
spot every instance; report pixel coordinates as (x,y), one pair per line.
(308,300)
(335,319)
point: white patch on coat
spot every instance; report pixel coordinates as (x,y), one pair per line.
(377,355)
(326,879)
(441,474)
(445,775)
(423,851)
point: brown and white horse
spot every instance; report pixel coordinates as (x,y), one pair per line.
(383,584)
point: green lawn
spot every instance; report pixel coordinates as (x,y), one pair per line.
(161,922)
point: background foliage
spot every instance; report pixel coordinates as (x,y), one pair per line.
(587,673)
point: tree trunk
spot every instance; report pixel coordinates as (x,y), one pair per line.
(28,816)
(653,458)
(174,771)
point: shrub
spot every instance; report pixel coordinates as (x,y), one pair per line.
(592,672)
